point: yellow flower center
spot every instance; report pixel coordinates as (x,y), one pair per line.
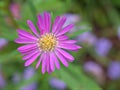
(47,42)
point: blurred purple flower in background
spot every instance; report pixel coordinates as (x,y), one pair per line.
(3,42)
(72,18)
(103,46)
(29,73)
(57,84)
(2,81)
(15,10)
(118,32)
(88,38)
(16,78)
(95,70)
(114,70)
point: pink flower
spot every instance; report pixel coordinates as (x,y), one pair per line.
(15,9)
(49,45)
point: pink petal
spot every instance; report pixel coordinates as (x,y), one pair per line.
(32,59)
(44,63)
(41,24)
(26,34)
(65,29)
(55,24)
(60,24)
(56,62)
(66,55)
(30,55)
(28,52)
(50,71)
(52,61)
(32,27)
(47,21)
(68,41)
(24,41)
(24,37)
(63,37)
(48,62)
(62,59)
(39,61)
(27,47)
(69,46)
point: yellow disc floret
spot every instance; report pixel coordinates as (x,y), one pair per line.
(47,42)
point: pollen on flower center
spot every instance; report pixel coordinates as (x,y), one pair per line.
(47,42)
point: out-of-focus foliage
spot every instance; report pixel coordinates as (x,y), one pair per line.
(97,31)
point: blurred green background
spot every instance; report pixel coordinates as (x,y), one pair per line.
(97,30)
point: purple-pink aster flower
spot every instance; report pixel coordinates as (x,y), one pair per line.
(48,45)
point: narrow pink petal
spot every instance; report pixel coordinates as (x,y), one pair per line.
(60,24)
(27,47)
(47,21)
(25,37)
(55,24)
(62,59)
(32,59)
(44,63)
(52,61)
(26,34)
(22,37)
(39,27)
(41,24)
(69,46)
(68,41)
(66,55)
(55,60)
(50,71)
(24,41)
(28,52)
(63,37)
(39,61)
(30,55)
(65,29)
(32,27)
(48,62)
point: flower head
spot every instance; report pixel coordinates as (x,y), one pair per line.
(95,70)
(2,81)
(3,42)
(48,45)
(114,70)
(29,73)
(118,32)
(88,38)
(57,83)
(103,46)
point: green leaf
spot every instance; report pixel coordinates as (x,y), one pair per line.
(22,25)
(76,80)
(7,32)
(33,9)
(8,56)
(29,11)
(50,5)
